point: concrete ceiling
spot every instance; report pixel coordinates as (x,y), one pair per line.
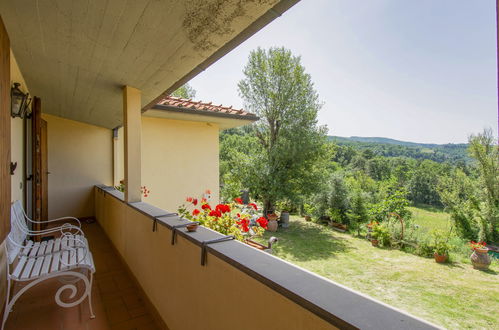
(78,54)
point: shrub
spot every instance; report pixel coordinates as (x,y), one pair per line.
(382,234)
(425,248)
(358,211)
(308,209)
(441,242)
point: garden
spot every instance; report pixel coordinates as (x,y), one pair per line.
(406,223)
(453,294)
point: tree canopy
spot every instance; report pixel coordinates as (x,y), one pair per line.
(185,92)
(291,155)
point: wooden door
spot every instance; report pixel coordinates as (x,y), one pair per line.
(36,127)
(45,171)
(4,133)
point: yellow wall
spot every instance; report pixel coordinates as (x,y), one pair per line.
(179,159)
(79,157)
(17,136)
(16,155)
(186,294)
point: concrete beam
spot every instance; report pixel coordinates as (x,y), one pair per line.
(133,127)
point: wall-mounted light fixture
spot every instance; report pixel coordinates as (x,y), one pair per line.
(13,167)
(19,102)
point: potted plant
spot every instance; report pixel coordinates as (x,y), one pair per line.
(234,218)
(272,222)
(480,257)
(441,247)
(308,210)
(192,227)
(370,226)
(380,235)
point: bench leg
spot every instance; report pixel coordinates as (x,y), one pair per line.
(92,315)
(71,287)
(7,306)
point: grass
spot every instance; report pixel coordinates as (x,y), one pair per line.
(429,218)
(451,295)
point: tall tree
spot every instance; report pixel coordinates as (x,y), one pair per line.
(185,91)
(293,149)
(483,148)
(473,201)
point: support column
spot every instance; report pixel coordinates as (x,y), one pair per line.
(116,158)
(133,126)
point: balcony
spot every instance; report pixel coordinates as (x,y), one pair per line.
(237,285)
(117,300)
(81,60)
(146,279)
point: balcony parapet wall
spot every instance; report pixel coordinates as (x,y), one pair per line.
(239,287)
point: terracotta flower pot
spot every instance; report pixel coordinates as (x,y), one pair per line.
(272,217)
(480,259)
(374,242)
(440,258)
(272,225)
(192,227)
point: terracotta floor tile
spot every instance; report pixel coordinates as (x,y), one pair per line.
(139,311)
(117,303)
(117,314)
(133,301)
(142,322)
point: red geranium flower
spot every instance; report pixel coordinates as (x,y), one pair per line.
(253,205)
(195,212)
(262,222)
(206,206)
(238,200)
(477,245)
(195,201)
(188,199)
(244,223)
(215,213)
(224,208)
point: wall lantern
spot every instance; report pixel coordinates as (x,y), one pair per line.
(19,102)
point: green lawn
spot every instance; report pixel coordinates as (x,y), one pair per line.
(451,295)
(430,218)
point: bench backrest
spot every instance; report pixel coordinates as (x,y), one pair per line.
(18,231)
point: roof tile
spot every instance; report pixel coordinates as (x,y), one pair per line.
(203,106)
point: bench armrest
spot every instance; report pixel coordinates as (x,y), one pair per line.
(64,229)
(56,220)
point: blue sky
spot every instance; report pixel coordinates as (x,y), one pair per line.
(422,71)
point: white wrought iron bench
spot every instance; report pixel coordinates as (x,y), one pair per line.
(67,257)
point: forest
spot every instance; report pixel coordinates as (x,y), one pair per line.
(453,153)
(287,162)
(356,183)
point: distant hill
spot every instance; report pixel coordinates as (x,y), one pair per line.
(394,148)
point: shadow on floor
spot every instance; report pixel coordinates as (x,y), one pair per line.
(117,302)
